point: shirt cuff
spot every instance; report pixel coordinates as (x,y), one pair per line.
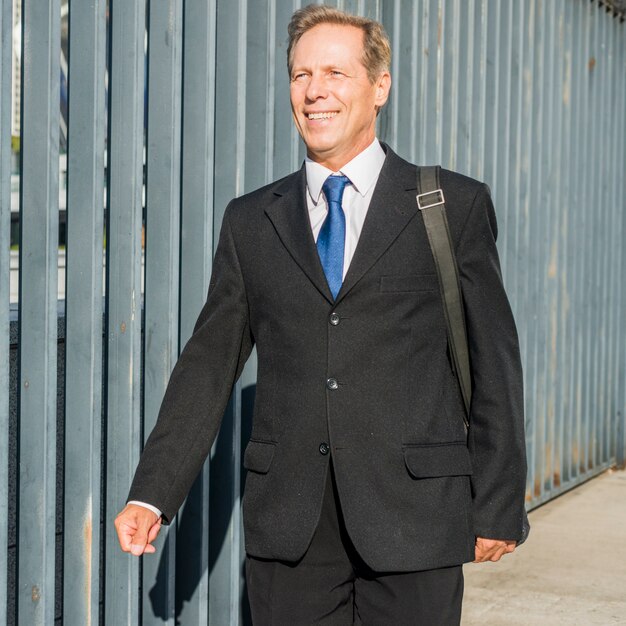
(147,506)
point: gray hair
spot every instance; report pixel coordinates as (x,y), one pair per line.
(376,47)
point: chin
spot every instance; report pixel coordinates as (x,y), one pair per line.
(319,146)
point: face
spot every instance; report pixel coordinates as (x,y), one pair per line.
(333,102)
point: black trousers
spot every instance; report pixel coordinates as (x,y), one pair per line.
(331,585)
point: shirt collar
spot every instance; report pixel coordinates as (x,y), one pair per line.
(362,171)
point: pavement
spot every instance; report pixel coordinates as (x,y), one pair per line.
(570,572)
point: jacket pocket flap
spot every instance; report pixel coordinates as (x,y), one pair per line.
(258,456)
(439,460)
(412,282)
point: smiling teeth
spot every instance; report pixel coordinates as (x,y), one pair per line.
(322,116)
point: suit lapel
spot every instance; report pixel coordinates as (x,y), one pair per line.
(392,207)
(290,218)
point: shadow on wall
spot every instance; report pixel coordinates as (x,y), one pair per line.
(189,561)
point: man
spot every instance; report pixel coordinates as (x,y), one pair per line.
(364,493)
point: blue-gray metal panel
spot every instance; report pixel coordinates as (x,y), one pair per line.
(508,196)
(390,117)
(161,301)
(592,295)
(618,114)
(537,245)
(479,73)
(125,147)
(449,41)
(198,149)
(578,64)
(606,381)
(569,373)
(620,237)
(230,128)
(465,35)
(285,156)
(260,70)
(591,189)
(603,416)
(541,209)
(551,217)
(613,218)
(83,310)
(503,138)
(6,47)
(431,130)
(559,269)
(493,112)
(230,106)
(39,206)
(584,172)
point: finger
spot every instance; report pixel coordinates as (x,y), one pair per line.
(479,556)
(479,553)
(154,531)
(125,528)
(138,544)
(125,535)
(140,538)
(511,547)
(486,550)
(497,555)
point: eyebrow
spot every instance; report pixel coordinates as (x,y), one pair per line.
(326,68)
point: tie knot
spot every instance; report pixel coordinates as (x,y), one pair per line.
(333,188)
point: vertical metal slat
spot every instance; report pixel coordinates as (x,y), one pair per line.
(230,112)
(6,47)
(83,306)
(41,47)
(124,210)
(162,265)
(198,146)
(259,73)
(620,192)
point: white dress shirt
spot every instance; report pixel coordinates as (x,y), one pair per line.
(363,172)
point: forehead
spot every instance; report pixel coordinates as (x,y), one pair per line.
(329,43)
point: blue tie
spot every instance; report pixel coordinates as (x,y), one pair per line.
(332,236)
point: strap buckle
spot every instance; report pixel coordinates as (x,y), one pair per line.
(424,203)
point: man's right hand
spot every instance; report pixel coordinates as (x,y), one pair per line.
(137,527)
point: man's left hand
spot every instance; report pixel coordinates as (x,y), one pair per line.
(492,549)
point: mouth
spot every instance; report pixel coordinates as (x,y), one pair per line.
(321,115)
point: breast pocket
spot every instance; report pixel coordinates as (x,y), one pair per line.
(410,282)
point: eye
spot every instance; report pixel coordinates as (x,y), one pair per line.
(336,74)
(299,77)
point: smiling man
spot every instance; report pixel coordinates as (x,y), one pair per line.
(364,494)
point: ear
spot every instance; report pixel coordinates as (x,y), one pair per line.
(383,85)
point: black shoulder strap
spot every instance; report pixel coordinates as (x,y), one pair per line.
(431,203)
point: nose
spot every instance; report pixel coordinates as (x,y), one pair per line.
(316,88)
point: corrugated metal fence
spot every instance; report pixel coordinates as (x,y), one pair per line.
(529,96)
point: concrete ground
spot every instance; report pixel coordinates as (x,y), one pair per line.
(571,571)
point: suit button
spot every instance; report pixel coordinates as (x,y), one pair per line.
(332,384)
(334,319)
(324,448)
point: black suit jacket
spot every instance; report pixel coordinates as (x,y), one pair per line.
(413,491)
